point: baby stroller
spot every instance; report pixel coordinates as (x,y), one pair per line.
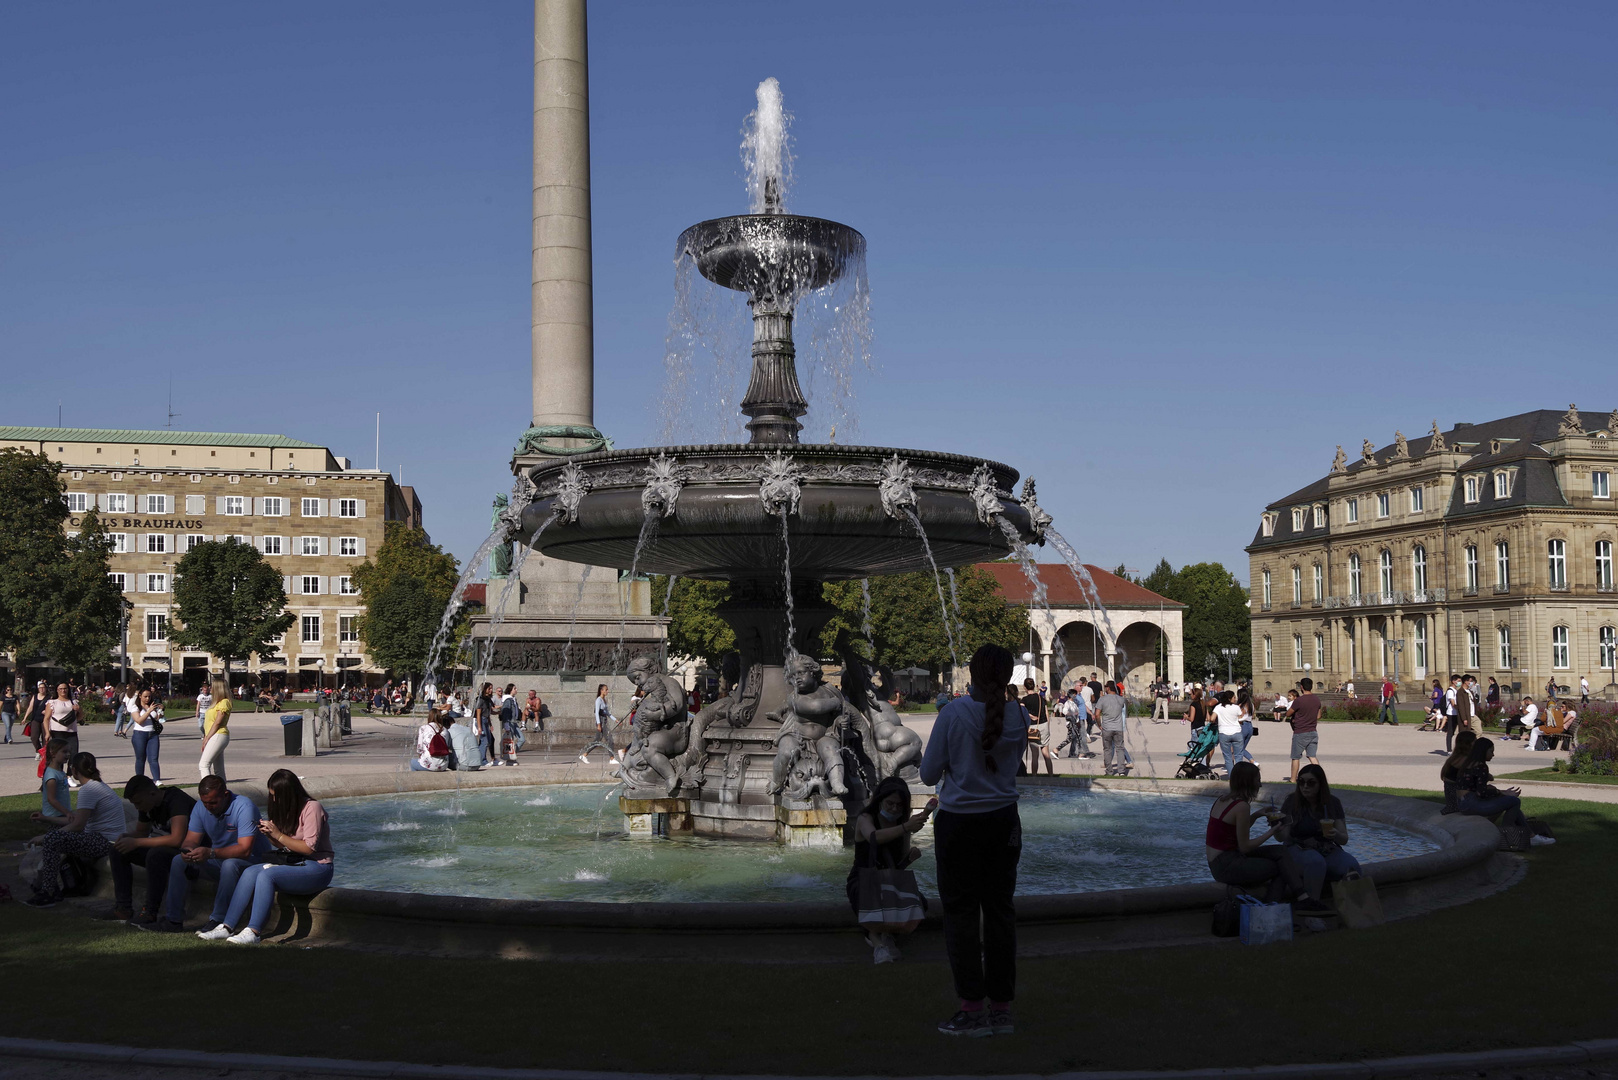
(1196,754)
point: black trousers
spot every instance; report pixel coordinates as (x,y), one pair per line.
(977,876)
(157,861)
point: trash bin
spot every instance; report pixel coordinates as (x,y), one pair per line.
(292,734)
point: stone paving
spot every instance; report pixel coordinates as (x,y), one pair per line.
(1352,753)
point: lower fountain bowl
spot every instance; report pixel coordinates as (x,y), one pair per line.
(719,527)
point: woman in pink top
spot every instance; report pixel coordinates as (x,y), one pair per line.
(301,864)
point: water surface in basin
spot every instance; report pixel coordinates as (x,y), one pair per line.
(541,843)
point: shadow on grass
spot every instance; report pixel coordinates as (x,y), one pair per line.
(1441,982)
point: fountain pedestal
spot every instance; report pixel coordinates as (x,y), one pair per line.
(656,817)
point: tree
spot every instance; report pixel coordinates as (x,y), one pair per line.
(407,588)
(908,623)
(228,601)
(1216,615)
(33,550)
(89,607)
(695,628)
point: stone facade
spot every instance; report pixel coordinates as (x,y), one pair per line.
(161,492)
(1485,549)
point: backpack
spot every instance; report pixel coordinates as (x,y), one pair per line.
(437,747)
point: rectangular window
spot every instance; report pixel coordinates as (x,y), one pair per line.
(78,502)
(1320,517)
(1600,485)
(1474,655)
(1472,568)
(157,504)
(348,508)
(309,545)
(311,585)
(192,540)
(311,508)
(346,587)
(157,583)
(348,545)
(1297,519)
(348,628)
(1297,584)
(1353,511)
(1320,583)
(272,545)
(1421,644)
(1417,500)
(157,626)
(119,580)
(274,506)
(115,504)
(1503,640)
(1471,493)
(1269,654)
(1608,641)
(157,542)
(196,504)
(1559,650)
(1297,652)
(1502,485)
(1604,565)
(1502,565)
(235,505)
(309,630)
(1382,505)
(1266,588)
(1556,563)
(120,543)
(1320,652)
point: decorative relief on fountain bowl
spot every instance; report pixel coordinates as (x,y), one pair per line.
(572,485)
(781,487)
(663,478)
(986,495)
(1038,519)
(897,488)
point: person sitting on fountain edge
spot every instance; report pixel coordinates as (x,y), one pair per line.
(464,753)
(882,834)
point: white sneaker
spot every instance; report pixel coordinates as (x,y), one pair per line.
(584,758)
(1541,841)
(248,936)
(218,933)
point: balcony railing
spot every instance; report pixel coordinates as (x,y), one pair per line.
(1296,604)
(1387,599)
(1558,586)
(1501,590)
(1470,590)
(1605,587)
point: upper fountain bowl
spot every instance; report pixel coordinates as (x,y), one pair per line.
(772,256)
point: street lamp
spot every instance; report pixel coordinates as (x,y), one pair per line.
(123,640)
(1230,655)
(1398,646)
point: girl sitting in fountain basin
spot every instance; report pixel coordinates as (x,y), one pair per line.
(882,835)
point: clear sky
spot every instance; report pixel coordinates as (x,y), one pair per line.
(1162,256)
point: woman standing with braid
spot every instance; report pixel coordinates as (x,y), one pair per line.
(972,758)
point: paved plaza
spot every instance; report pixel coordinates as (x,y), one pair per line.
(1351,753)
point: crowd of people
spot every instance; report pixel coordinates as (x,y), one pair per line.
(486,734)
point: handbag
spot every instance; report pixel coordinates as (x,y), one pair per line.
(890,901)
(1514,838)
(1357,903)
(1227,914)
(281,857)
(1265,924)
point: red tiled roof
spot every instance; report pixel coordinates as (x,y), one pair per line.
(1063,591)
(477,594)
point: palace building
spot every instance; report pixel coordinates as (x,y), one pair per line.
(1487,548)
(160,493)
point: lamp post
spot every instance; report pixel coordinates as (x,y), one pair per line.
(1028,663)
(1230,655)
(1397,645)
(123,641)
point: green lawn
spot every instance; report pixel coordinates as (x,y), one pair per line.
(1560,777)
(1339,996)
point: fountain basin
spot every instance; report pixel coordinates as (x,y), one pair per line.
(721,529)
(773,256)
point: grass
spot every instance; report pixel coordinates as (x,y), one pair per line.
(1322,998)
(1560,777)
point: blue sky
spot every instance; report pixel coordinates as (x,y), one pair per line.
(1162,256)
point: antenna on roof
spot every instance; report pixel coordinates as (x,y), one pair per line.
(172,413)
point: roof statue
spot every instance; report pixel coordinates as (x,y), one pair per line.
(1368,452)
(1339,463)
(1437,446)
(1612,422)
(1571,424)
(1401,447)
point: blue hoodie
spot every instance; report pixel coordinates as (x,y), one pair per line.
(953,760)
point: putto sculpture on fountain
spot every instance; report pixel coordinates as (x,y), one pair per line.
(809,755)
(662,730)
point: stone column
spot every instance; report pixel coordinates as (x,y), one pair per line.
(563,335)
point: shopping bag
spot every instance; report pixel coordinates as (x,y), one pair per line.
(1227,913)
(1514,838)
(889,900)
(1266,923)
(1357,903)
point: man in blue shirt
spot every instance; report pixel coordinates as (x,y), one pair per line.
(221,841)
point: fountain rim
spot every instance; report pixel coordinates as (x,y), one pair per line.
(680,242)
(1002,471)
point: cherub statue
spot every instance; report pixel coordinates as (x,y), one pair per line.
(1437,446)
(662,726)
(1368,452)
(1339,462)
(811,726)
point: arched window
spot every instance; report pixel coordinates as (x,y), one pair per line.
(1418,570)
(1354,574)
(1557,563)
(1421,645)
(1385,573)
(1502,566)
(1559,650)
(1471,569)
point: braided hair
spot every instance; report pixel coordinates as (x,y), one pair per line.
(991,671)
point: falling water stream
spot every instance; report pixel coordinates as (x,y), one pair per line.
(943,608)
(573,618)
(786,574)
(648,532)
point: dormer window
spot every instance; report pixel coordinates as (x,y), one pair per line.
(1320,516)
(1502,484)
(1267,525)
(1297,519)
(1470,490)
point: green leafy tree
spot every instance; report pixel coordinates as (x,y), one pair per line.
(406,586)
(228,601)
(908,624)
(695,628)
(33,550)
(89,607)
(1216,615)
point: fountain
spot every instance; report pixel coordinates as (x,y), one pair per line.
(778,756)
